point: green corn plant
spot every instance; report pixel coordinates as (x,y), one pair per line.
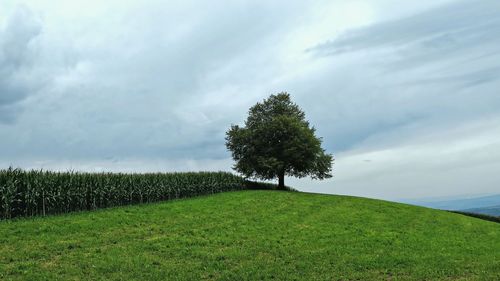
(39,193)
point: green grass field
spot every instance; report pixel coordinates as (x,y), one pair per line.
(253,235)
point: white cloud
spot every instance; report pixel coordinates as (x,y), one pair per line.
(462,160)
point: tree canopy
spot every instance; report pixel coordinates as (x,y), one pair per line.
(277,141)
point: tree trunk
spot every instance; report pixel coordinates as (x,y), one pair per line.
(281,181)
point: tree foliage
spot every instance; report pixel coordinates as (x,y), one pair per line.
(277,141)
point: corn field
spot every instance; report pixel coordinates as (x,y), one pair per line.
(39,193)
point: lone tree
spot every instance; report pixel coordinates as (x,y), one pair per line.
(278,141)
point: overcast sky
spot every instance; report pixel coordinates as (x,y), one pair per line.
(406,97)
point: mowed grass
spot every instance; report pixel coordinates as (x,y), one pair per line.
(253,235)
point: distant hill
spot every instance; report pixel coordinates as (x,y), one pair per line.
(491,201)
(492,211)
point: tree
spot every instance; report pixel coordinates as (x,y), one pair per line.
(277,141)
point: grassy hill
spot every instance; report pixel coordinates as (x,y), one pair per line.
(253,235)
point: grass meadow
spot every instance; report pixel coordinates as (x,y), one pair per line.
(252,235)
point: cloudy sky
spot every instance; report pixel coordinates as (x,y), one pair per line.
(406,97)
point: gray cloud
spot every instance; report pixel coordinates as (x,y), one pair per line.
(449,28)
(438,69)
(148,86)
(458,42)
(30,61)
(17,57)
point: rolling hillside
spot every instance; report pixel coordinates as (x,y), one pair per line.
(253,235)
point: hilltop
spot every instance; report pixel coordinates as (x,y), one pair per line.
(253,235)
